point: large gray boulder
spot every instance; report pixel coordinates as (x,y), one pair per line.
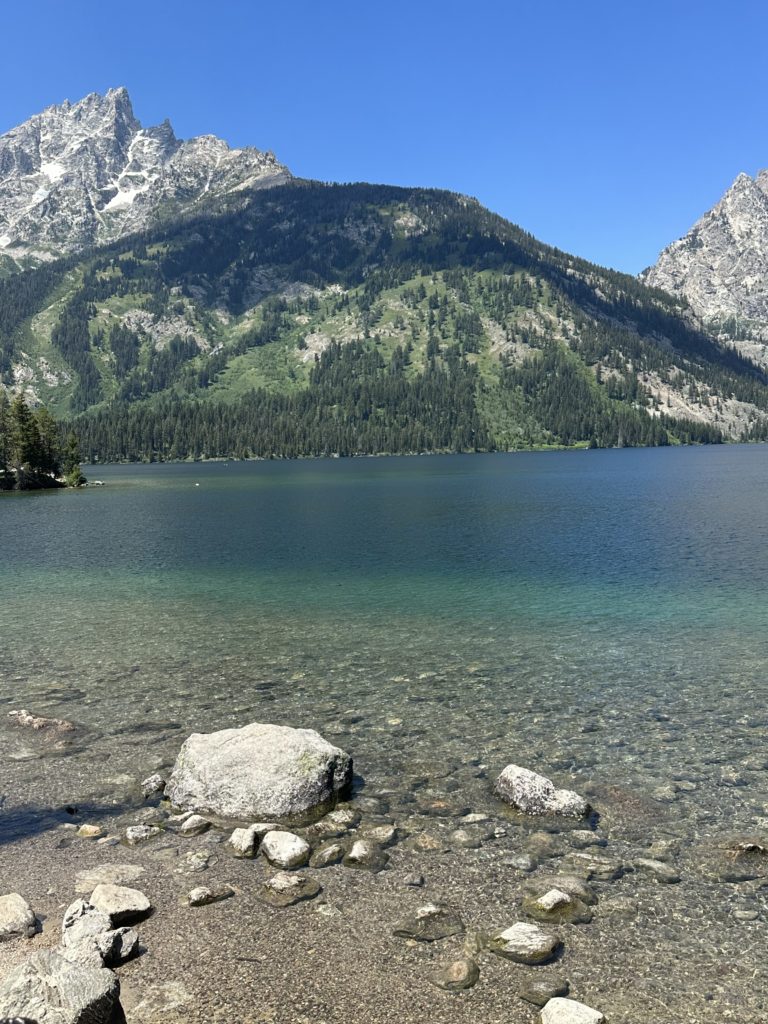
(532,793)
(49,989)
(259,772)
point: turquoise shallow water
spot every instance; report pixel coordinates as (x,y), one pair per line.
(597,616)
(493,604)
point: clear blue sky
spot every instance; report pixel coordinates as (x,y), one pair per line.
(604,128)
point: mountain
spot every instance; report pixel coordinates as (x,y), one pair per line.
(721,266)
(86,173)
(312,319)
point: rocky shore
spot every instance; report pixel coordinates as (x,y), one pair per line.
(261,880)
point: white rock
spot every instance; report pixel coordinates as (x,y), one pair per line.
(525,944)
(17,919)
(535,794)
(285,850)
(51,990)
(259,771)
(194,825)
(553,899)
(120,903)
(136,834)
(569,1011)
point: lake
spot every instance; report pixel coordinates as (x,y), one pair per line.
(599,616)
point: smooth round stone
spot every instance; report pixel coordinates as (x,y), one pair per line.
(456,976)
(285,850)
(525,944)
(540,990)
(90,831)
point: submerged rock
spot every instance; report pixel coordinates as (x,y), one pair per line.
(525,944)
(333,853)
(194,825)
(456,976)
(203,895)
(535,794)
(555,906)
(539,991)
(429,923)
(17,919)
(284,889)
(109,874)
(259,771)
(367,856)
(569,1011)
(38,723)
(47,987)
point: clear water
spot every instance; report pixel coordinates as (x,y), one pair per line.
(599,616)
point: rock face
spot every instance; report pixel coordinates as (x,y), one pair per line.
(16,917)
(721,265)
(86,173)
(259,772)
(534,794)
(49,989)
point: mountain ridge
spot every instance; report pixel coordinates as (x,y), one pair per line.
(85,173)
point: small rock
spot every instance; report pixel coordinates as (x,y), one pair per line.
(430,923)
(285,889)
(285,850)
(195,825)
(593,866)
(569,1011)
(202,895)
(474,819)
(464,840)
(244,842)
(660,871)
(456,976)
(557,907)
(540,990)
(327,855)
(90,831)
(571,884)
(153,784)
(535,794)
(136,834)
(415,881)
(525,944)
(17,919)
(745,915)
(366,855)
(522,862)
(38,723)
(382,835)
(121,904)
(582,839)
(47,980)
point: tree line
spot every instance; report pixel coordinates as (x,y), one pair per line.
(34,453)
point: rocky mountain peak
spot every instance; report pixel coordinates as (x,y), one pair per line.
(83,173)
(721,265)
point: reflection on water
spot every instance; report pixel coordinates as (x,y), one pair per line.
(596,614)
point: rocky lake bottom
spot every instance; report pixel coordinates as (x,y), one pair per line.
(599,621)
